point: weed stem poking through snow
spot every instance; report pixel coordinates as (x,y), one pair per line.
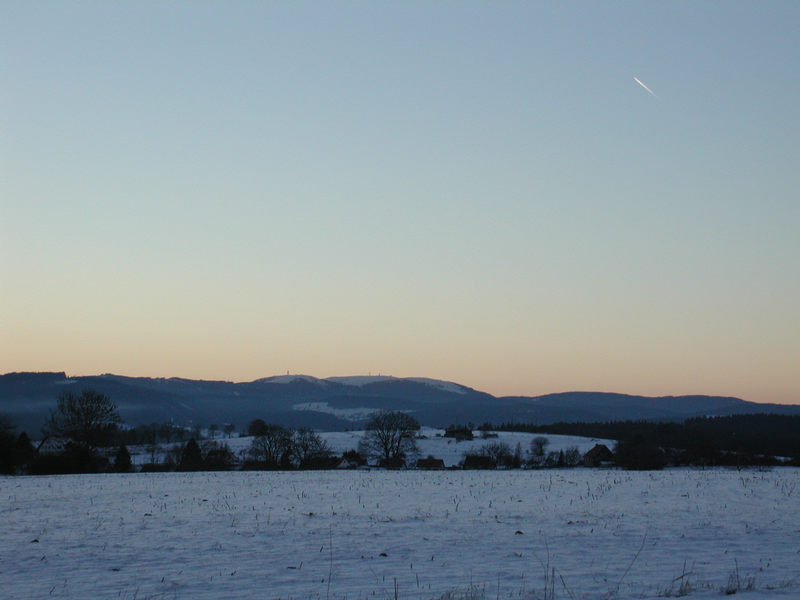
(630,566)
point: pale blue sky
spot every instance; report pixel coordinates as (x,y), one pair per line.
(470,191)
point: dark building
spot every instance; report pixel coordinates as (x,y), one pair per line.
(598,456)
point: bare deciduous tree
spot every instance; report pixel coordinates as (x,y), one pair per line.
(572,456)
(309,449)
(88,418)
(390,437)
(499,452)
(272,447)
(538,445)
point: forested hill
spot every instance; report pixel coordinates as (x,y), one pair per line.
(339,403)
(702,437)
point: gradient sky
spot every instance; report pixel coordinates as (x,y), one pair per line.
(470,191)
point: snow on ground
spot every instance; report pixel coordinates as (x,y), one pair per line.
(360,380)
(430,442)
(452,452)
(287,379)
(350,414)
(579,533)
(447,386)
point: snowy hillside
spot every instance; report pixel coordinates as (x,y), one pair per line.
(430,442)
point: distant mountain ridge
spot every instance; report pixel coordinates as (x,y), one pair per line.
(339,403)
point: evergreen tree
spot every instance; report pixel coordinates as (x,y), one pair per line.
(7,430)
(191,457)
(122,461)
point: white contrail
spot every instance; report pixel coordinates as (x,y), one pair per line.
(636,79)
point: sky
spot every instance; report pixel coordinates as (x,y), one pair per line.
(470,191)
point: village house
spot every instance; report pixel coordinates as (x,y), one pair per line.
(598,456)
(430,463)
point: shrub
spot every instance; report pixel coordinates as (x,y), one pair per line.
(74,458)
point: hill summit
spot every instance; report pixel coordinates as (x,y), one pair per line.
(340,403)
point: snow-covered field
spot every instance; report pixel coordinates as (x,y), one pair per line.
(405,534)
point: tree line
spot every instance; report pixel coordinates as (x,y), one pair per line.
(83,434)
(736,440)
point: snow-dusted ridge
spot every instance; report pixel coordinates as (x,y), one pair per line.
(362,380)
(447,386)
(288,379)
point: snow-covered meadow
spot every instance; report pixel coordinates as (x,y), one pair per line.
(576,533)
(429,442)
